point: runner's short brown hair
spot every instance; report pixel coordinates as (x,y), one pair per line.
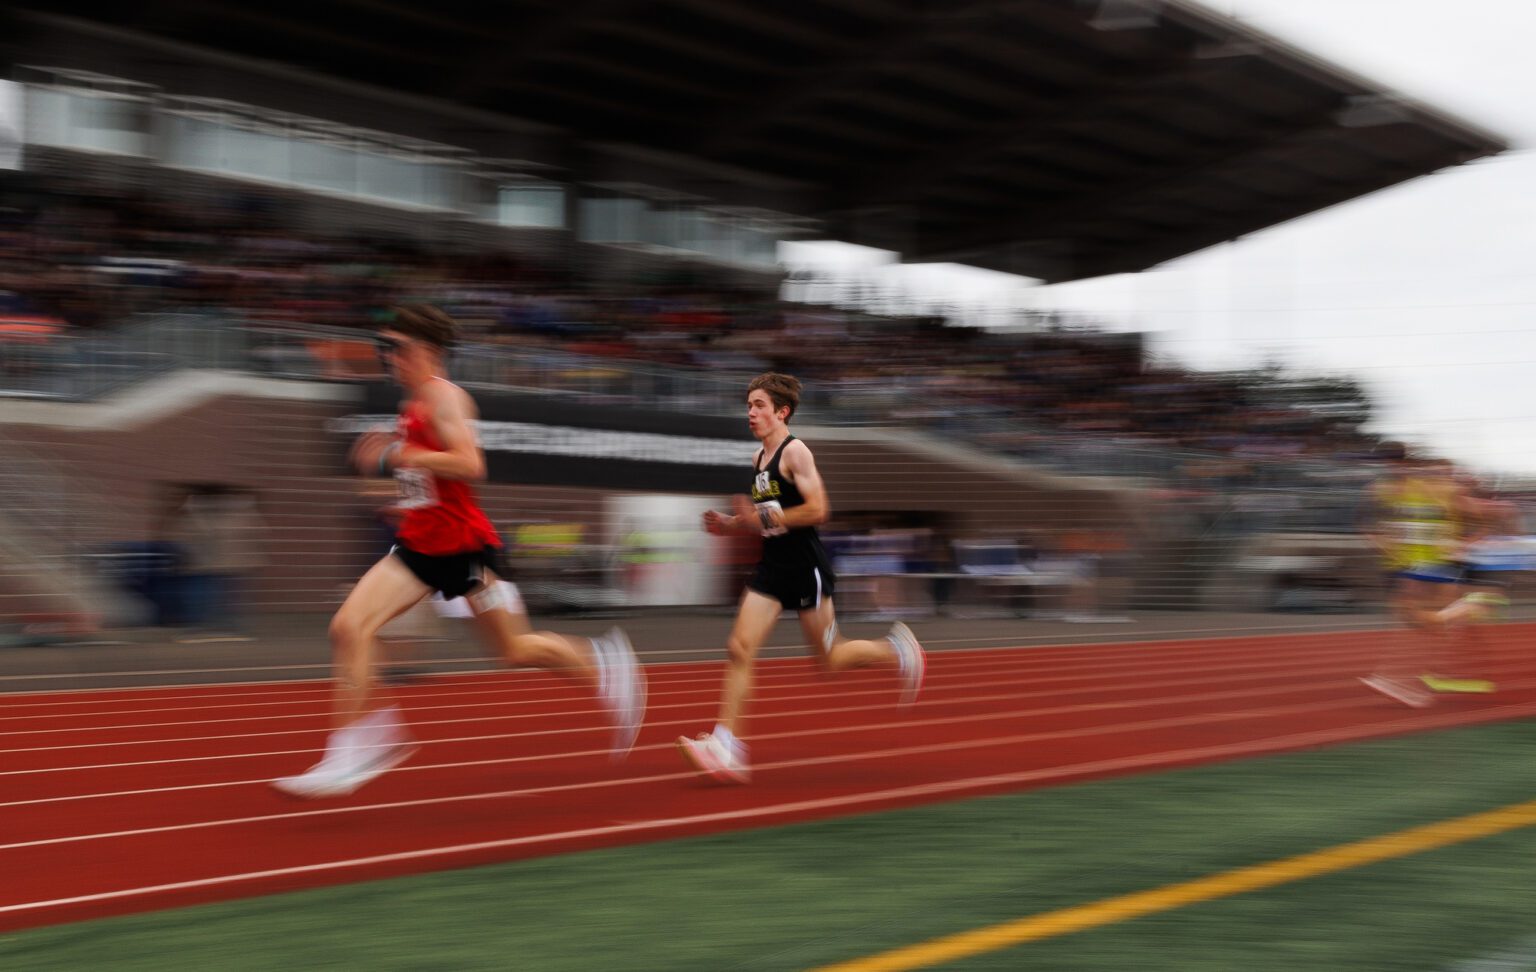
(782,390)
(425,323)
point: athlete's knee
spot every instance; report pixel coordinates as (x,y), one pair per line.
(740,651)
(346,630)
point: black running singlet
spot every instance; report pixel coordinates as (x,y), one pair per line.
(794,546)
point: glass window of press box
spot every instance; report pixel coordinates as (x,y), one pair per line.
(730,236)
(238,140)
(531,205)
(86,112)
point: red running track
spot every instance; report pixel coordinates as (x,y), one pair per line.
(136,799)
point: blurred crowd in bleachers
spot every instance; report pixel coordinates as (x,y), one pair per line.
(76,259)
(1230,457)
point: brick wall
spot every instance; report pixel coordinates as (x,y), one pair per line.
(319,536)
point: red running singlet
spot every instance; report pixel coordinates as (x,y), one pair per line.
(442,516)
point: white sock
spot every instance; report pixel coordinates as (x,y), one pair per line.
(376,728)
(600,659)
(385,718)
(734,746)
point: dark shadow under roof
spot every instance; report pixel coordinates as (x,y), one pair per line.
(1055,138)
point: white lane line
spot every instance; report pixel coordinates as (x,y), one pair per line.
(772,670)
(1147,639)
(1003,715)
(1265,673)
(1339,665)
(534,683)
(861,755)
(761,717)
(1342,682)
(1423,721)
(922,790)
(945,675)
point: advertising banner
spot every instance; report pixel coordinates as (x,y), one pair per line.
(540,440)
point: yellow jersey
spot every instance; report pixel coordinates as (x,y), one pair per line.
(1420,522)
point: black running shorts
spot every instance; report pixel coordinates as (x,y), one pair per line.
(796,588)
(453,574)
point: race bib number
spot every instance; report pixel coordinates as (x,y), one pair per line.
(772,506)
(416,488)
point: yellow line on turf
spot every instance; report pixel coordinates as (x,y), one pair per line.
(1257,877)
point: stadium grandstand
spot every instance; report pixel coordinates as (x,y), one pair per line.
(597,194)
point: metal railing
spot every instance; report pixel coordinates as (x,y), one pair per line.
(1275,490)
(80,366)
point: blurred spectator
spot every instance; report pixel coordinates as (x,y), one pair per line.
(216,531)
(81,257)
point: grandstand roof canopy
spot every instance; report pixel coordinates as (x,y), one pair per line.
(1055,138)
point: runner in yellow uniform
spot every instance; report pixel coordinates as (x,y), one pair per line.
(1491,550)
(1417,513)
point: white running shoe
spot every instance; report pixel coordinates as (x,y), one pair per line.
(347,767)
(913,661)
(317,781)
(706,754)
(1399,690)
(624,690)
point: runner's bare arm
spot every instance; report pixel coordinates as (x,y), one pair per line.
(799,467)
(452,412)
(742,519)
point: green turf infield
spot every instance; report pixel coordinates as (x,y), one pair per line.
(799,896)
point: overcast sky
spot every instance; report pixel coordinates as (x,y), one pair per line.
(1424,291)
